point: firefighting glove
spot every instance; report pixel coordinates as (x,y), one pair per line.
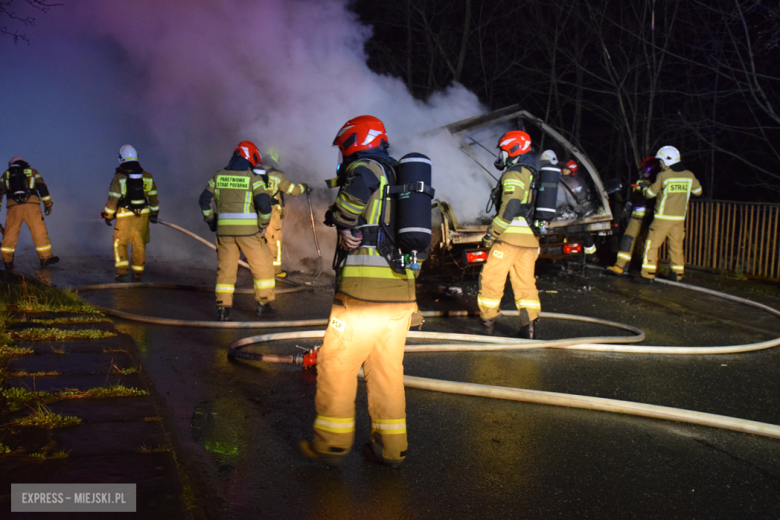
(106,218)
(306,188)
(153,218)
(626,211)
(212,224)
(487,240)
(47,210)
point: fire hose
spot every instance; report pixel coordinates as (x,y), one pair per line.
(466,342)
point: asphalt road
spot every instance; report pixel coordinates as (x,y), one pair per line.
(237,422)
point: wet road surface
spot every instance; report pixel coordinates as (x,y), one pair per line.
(470,457)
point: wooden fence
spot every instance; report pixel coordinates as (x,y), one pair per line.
(733,236)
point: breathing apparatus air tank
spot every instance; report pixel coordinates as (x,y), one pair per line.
(413,209)
(547,194)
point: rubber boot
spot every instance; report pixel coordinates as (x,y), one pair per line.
(306,449)
(488,326)
(265,311)
(371,456)
(673,277)
(528,331)
(9,267)
(613,269)
(49,261)
(223,313)
(137,276)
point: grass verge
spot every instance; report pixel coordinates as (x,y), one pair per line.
(23,295)
(45,418)
(47,334)
(18,398)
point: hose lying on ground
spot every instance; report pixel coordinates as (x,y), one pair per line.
(481,343)
(212,246)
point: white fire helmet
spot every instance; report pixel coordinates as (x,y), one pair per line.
(15,159)
(669,155)
(549,155)
(127,153)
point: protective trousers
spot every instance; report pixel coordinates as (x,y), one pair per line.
(260,260)
(273,233)
(628,242)
(132,230)
(32,216)
(519,263)
(372,335)
(660,230)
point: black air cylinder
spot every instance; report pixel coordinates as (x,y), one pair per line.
(413,209)
(547,193)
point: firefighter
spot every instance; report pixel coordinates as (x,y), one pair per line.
(573,194)
(673,187)
(25,189)
(512,241)
(371,310)
(640,210)
(279,186)
(243,211)
(132,200)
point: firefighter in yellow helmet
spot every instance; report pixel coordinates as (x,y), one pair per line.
(243,211)
(640,210)
(132,200)
(673,187)
(371,311)
(25,189)
(279,187)
(511,239)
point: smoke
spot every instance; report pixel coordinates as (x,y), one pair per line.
(184,81)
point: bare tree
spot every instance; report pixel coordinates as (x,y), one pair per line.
(9,15)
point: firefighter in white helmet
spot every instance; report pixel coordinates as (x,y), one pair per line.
(512,241)
(279,186)
(132,200)
(25,189)
(673,187)
(371,311)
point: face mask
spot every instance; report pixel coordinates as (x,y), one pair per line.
(500,162)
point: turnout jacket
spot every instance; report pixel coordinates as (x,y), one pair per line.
(118,193)
(279,186)
(38,190)
(364,274)
(509,225)
(673,187)
(242,201)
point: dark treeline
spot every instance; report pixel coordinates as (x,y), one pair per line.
(619,78)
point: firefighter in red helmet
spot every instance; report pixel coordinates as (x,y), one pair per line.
(371,311)
(511,238)
(240,213)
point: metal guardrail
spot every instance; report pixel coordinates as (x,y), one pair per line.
(733,236)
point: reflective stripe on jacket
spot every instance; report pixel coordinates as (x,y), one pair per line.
(673,190)
(36,185)
(508,225)
(365,274)
(235,194)
(118,190)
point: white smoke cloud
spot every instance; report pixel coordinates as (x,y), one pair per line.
(184,81)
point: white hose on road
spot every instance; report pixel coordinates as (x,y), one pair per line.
(485,343)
